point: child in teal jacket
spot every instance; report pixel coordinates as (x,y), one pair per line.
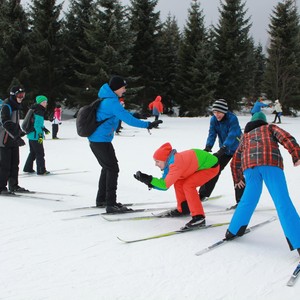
(36,138)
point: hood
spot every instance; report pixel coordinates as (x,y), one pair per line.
(106,92)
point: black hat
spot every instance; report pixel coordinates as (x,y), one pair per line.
(220,106)
(16,90)
(116,82)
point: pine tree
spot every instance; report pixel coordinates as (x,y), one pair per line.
(282,78)
(232,53)
(168,62)
(145,25)
(196,75)
(79,18)
(14,54)
(46,48)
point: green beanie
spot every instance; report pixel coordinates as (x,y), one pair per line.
(40,99)
(259,116)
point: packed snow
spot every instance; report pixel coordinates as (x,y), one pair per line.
(46,254)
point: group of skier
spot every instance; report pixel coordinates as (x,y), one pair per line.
(255,158)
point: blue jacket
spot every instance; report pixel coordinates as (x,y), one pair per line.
(112,109)
(228,131)
(257,107)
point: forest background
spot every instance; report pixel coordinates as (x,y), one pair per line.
(67,55)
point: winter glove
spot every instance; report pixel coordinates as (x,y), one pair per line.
(40,139)
(207,149)
(46,130)
(154,124)
(144,178)
(22,134)
(221,152)
(19,142)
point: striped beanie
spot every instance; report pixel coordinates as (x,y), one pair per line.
(220,106)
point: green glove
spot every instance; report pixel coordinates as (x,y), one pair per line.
(40,139)
(46,130)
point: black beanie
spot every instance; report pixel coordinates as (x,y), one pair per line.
(116,82)
(220,106)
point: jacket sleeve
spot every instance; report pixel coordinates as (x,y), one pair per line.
(13,129)
(287,141)
(236,165)
(122,114)
(212,134)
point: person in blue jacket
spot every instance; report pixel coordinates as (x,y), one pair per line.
(36,137)
(101,141)
(258,106)
(224,125)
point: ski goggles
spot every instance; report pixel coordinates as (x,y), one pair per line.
(20,95)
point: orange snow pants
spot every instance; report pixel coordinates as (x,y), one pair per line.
(186,189)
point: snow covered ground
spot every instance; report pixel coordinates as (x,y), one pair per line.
(44,256)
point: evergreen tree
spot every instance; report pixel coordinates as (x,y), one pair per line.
(233,53)
(145,25)
(196,75)
(14,54)
(168,62)
(282,76)
(78,19)
(46,48)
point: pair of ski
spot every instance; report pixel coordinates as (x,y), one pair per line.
(54,172)
(291,282)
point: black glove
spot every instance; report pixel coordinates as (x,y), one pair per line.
(144,178)
(19,142)
(207,149)
(221,152)
(22,134)
(46,130)
(154,124)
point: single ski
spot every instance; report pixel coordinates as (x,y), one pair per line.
(30,197)
(294,276)
(223,241)
(212,198)
(45,193)
(158,236)
(106,213)
(164,215)
(124,204)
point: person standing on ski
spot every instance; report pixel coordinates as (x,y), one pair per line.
(10,140)
(224,125)
(185,170)
(259,160)
(36,138)
(101,141)
(278,111)
(56,121)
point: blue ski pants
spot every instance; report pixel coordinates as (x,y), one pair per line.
(276,184)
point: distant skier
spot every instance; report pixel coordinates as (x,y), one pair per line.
(278,111)
(258,159)
(258,105)
(156,107)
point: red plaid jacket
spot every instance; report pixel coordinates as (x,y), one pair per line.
(259,147)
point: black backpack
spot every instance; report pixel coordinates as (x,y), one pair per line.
(28,122)
(86,123)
